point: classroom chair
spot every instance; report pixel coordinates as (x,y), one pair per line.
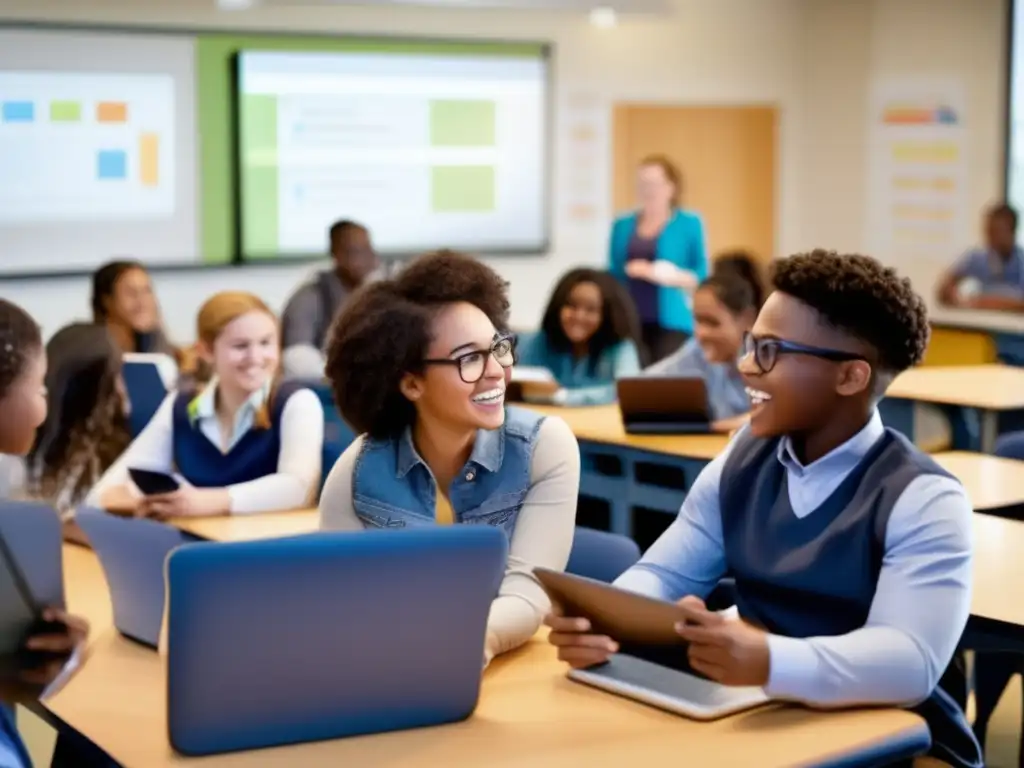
(601,555)
(337,434)
(132,552)
(148,378)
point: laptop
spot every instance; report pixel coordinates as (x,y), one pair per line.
(663,405)
(327,635)
(651,665)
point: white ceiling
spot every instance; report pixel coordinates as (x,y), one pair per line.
(621,6)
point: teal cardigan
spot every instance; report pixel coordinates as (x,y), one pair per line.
(680,242)
(582,385)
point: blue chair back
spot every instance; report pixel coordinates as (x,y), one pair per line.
(601,555)
(148,378)
(337,434)
(263,648)
(132,553)
(1010,446)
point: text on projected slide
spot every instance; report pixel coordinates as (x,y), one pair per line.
(76,147)
(428,151)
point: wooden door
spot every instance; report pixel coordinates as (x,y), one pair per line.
(727,156)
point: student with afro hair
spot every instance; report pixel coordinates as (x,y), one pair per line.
(850,548)
(419,366)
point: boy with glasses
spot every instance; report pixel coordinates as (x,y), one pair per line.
(850,548)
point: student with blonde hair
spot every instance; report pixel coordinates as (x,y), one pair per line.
(243,443)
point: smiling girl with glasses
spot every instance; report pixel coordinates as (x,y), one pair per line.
(419,365)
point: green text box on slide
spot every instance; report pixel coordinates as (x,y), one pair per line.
(260,188)
(214,99)
(462,123)
(65,111)
(462,188)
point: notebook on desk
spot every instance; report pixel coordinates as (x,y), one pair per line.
(283,641)
(663,405)
(651,666)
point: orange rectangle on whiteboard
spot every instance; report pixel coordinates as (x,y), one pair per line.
(149,159)
(112,112)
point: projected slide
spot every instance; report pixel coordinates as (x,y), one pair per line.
(85,147)
(427,150)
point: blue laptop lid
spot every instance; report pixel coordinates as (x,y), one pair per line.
(327,635)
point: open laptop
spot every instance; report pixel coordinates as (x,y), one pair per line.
(663,405)
(284,641)
(651,665)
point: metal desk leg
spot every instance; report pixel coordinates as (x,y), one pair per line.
(989,430)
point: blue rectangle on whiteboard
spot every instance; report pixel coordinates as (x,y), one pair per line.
(112,164)
(18,111)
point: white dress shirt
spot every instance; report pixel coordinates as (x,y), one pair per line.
(298,465)
(918,612)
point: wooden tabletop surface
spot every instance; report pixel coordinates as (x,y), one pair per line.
(988,387)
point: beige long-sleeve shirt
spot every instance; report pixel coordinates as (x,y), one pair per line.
(542,536)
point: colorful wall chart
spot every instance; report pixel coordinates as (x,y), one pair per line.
(79,147)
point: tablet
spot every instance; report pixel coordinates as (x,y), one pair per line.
(153,483)
(626,617)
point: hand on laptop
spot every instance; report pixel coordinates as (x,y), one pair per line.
(576,647)
(727,650)
(63,637)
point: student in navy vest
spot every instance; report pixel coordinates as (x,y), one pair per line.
(419,364)
(244,443)
(851,549)
(22,410)
(724,308)
(659,254)
(588,338)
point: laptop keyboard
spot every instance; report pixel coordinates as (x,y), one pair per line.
(672,683)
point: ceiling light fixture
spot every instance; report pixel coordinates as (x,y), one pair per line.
(604,17)
(235,5)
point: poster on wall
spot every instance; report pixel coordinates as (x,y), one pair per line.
(918,219)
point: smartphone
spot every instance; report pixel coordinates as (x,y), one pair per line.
(153,483)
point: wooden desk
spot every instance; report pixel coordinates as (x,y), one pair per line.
(271,525)
(987,388)
(529,714)
(603,424)
(86,588)
(992,483)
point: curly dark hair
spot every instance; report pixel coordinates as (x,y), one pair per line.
(86,428)
(860,296)
(619,321)
(383,333)
(20,340)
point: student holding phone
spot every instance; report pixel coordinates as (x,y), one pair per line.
(420,364)
(22,411)
(851,549)
(244,443)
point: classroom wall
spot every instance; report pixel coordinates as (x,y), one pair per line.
(812,58)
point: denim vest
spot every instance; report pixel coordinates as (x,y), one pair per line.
(393,488)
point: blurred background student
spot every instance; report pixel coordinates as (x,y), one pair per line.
(724,308)
(86,428)
(658,253)
(312,308)
(124,302)
(588,339)
(245,443)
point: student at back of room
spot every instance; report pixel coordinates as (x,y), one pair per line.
(588,338)
(86,428)
(22,411)
(850,548)
(124,302)
(312,308)
(724,308)
(243,443)
(419,364)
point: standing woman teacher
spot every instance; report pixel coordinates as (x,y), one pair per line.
(658,252)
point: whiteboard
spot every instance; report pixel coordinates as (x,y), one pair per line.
(97,150)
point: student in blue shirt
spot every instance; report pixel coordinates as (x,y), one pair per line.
(588,338)
(996,269)
(724,308)
(22,411)
(850,548)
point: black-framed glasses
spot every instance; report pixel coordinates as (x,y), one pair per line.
(472,364)
(766,351)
